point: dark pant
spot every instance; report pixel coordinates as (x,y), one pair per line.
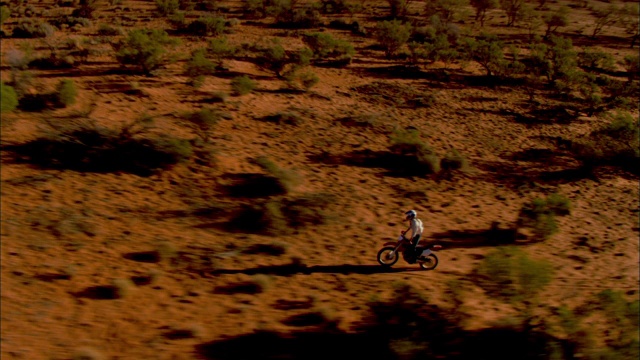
(416,239)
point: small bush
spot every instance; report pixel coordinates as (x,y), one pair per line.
(596,60)
(8,98)
(325,47)
(392,35)
(453,160)
(288,179)
(122,288)
(144,48)
(199,65)
(5,14)
(632,65)
(207,26)
(87,353)
(256,8)
(67,93)
(219,48)
(302,79)
(289,16)
(616,144)
(286,117)
(540,215)
(204,121)
(108,30)
(242,85)
(87,147)
(275,248)
(282,216)
(415,155)
(256,285)
(167,7)
(33,29)
(510,274)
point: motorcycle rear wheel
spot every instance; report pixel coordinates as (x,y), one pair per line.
(428,262)
(387,256)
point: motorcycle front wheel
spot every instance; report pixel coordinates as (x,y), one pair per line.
(387,256)
(428,262)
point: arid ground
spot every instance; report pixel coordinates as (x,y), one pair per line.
(221,257)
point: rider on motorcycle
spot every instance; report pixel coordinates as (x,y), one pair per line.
(415,225)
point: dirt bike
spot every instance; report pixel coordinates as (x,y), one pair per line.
(390,253)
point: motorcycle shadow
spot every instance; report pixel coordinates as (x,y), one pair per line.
(295,269)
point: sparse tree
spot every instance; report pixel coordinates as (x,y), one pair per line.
(392,35)
(632,65)
(630,19)
(486,51)
(605,18)
(446,10)
(398,8)
(144,48)
(481,7)
(556,19)
(513,9)
(531,20)
(8,98)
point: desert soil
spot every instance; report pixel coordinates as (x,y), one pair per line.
(97,227)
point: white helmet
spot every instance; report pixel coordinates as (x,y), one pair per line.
(410,215)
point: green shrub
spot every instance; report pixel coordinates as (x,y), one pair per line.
(273,58)
(302,79)
(392,35)
(398,8)
(242,85)
(326,47)
(33,29)
(207,26)
(87,147)
(288,179)
(284,117)
(632,65)
(144,49)
(510,274)
(408,143)
(167,7)
(8,98)
(108,30)
(87,353)
(596,60)
(85,9)
(555,20)
(282,216)
(122,288)
(540,215)
(256,8)
(447,11)
(256,285)
(415,155)
(204,121)
(67,93)
(199,65)
(616,144)
(275,248)
(453,160)
(481,7)
(486,51)
(5,14)
(287,15)
(220,49)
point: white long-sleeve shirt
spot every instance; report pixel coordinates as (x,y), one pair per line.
(416,228)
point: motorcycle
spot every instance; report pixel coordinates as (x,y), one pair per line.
(390,253)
